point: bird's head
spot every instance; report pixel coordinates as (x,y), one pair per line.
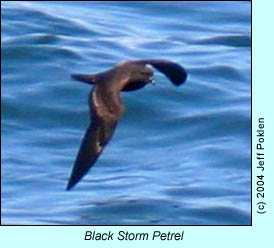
(139,75)
(142,73)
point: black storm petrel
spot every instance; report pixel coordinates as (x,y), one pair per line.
(106,106)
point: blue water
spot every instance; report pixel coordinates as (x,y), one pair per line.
(179,156)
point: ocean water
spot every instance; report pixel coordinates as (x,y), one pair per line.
(179,156)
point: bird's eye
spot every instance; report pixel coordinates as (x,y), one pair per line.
(145,73)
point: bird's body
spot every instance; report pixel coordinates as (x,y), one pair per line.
(106,105)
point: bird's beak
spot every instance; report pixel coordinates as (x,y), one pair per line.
(152,80)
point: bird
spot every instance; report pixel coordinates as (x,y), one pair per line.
(106,107)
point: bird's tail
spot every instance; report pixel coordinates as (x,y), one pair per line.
(90,79)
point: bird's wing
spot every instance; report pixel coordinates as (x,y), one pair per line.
(98,134)
(175,72)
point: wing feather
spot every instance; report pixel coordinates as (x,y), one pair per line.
(93,143)
(97,136)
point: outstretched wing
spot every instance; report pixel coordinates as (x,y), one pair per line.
(93,143)
(175,72)
(96,138)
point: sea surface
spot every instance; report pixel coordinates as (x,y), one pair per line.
(179,156)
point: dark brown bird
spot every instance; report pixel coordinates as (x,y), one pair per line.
(106,106)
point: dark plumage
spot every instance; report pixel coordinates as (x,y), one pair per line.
(106,106)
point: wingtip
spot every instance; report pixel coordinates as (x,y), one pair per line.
(176,73)
(180,77)
(74,179)
(70,185)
